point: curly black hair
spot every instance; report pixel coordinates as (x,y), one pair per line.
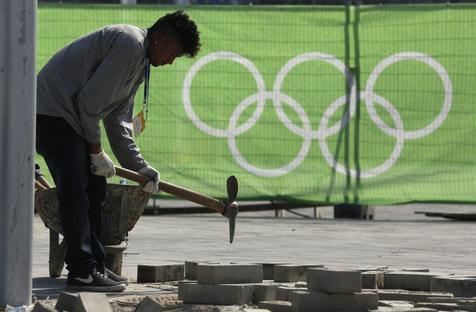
(179,25)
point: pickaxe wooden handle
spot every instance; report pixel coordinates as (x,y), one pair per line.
(229,209)
(175,190)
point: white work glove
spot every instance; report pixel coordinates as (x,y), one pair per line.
(152,186)
(102,165)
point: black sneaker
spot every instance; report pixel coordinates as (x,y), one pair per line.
(96,282)
(115,277)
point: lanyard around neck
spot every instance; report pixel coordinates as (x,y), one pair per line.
(145,103)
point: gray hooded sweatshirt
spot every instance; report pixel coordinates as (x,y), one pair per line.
(96,78)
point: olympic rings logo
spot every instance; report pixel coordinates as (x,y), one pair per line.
(324,130)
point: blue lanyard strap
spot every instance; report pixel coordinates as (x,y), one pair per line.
(145,105)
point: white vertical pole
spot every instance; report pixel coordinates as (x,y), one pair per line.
(17,124)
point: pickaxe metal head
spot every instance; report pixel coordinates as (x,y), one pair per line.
(231,206)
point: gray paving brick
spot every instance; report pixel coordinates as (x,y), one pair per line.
(459,286)
(264,292)
(284,293)
(92,302)
(160,273)
(66,301)
(276,306)
(373,279)
(408,280)
(334,281)
(292,272)
(229,273)
(407,295)
(312,301)
(148,304)
(217,294)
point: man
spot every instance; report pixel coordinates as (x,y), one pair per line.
(92,79)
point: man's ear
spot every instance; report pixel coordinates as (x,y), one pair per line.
(157,37)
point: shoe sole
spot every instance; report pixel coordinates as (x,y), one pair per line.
(114,288)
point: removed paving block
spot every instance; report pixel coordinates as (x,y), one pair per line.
(229,273)
(268,269)
(92,302)
(334,281)
(180,288)
(459,286)
(216,294)
(389,309)
(395,303)
(284,293)
(309,301)
(148,304)
(406,295)
(292,272)
(408,280)
(190,269)
(264,292)
(373,279)
(300,285)
(439,306)
(66,301)
(159,273)
(276,306)
(42,307)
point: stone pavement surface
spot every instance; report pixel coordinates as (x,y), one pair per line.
(397,238)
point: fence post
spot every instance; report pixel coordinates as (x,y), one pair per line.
(17,124)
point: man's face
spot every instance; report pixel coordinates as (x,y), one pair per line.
(164,50)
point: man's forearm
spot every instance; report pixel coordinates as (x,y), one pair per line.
(95,148)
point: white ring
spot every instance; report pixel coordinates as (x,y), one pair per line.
(310,57)
(223,133)
(276,171)
(416,56)
(386,164)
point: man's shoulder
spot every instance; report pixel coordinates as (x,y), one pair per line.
(129,32)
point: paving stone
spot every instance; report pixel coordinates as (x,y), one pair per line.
(406,295)
(438,306)
(334,281)
(264,292)
(390,309)
(229,273)
(92,302)
(276,306)
(292,272)
(373,279)
(308,301)
(160,273)
(66,301)
(180,287)
(459,286)
(217,294)
(42,307)
(284,293)
(190,269)
(395,303)
(372,268)
(148,304)
(268,269)
(408,280)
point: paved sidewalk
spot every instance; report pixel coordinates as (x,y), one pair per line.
(397,238)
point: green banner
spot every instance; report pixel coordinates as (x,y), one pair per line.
(322,104)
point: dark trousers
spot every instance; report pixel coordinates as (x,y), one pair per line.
(81,195)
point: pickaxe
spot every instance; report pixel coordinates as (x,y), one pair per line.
(228,209)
